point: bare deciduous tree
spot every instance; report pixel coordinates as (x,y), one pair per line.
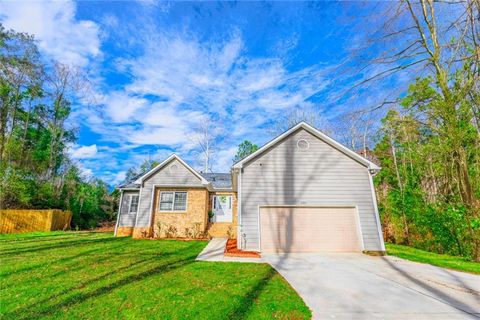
(294,116)
(65,83)
(204,136)
(433,47)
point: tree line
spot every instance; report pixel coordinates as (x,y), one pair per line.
(429,143)
(36,170)
(428,139)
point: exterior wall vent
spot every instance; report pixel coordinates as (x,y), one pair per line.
(303,144)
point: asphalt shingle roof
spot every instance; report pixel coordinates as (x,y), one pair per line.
(218,180)
(129,186)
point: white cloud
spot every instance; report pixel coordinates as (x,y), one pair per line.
(60,35)
(84,152)
(224,159)
(189,78)
(87,172)
(118,177)
(120,107)
(193,78)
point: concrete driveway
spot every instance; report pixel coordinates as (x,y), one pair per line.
(356,286)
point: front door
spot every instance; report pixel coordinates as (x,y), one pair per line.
(222,208)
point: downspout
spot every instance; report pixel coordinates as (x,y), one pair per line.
(118,214)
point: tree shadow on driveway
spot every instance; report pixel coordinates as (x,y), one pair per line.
(433,292)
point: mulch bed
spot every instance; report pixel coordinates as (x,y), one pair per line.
(232,251)
(175,239)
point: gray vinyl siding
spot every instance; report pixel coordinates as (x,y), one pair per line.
(181,177)
(126,219)
(320,175)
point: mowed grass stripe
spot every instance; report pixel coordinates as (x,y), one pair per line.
(95,275)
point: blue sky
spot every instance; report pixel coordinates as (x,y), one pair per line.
(158,69)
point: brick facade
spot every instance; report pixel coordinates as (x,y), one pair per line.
(124,231)
(187,224)
(192,223)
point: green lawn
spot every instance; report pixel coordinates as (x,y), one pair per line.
(96,276)
(441,260)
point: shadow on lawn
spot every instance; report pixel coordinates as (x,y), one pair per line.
(58,245)
(24,238)
(98,258)
(79,286)
(46,310)
(247,302)
(51,262)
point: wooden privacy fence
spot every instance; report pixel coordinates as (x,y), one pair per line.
(17,221)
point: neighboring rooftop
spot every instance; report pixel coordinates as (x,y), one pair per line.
(218,180)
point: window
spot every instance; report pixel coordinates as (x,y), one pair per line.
(173,201)
(133,205)
(219,202)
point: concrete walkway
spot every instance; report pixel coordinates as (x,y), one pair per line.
(356,286)
(214,252)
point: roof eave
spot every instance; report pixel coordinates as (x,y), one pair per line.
(335,144)
(164,162)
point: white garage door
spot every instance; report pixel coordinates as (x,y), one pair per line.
(309,229)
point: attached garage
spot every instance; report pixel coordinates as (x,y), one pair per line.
(309,229)
(305,192)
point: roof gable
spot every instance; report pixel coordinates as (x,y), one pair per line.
(320,135)
(164,163)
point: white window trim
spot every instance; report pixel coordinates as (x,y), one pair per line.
(130,203)
(173,202)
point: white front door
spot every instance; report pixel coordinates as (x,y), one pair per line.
(222,208)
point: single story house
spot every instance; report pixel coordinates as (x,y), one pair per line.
(301,192)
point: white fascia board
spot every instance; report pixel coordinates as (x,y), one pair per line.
(240,163)
(370,165)
(163,163)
